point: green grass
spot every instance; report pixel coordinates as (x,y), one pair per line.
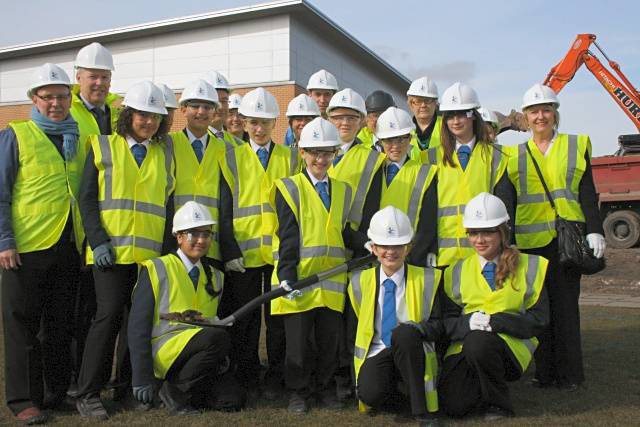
(611,396)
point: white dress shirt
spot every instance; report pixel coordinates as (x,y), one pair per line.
(204,139)
(187,262)
(469,144)
(401,308)
(133,142)
(256,147)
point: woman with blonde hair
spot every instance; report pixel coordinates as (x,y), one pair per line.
(494,304)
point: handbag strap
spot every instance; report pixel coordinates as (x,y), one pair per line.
(542,181)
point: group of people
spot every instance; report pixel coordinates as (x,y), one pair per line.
(120,239)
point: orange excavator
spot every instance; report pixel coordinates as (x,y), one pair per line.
(617,177)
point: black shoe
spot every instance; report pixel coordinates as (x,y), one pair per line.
(494,413)
(172,402)
(91,407)
(297,404)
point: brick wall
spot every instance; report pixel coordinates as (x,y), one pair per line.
(283,93)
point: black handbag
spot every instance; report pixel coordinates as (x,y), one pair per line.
(573,249)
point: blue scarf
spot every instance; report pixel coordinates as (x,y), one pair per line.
(68,128)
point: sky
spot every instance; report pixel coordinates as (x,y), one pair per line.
(500,48)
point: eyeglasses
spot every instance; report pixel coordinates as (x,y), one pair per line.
(145,115)
(51,98)
(344,118)
(398,140)
(321,155)
(198,234)
(450,115)
(416,102)
(482,233)
(197,106)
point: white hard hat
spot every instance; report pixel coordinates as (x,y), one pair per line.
(319,133)
(484,211)
(488,115)
(48,74)
(539,94)
(394,122)
(217,80)
(234,101)
(390,226)
(199,90)
(259,103)
(191,215)
(423,86)
(303,105)
(459,97)
(322,80)
(145,96)
(94,56)
(347,98)
(170,100)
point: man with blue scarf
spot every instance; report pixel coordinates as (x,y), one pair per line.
(40,232)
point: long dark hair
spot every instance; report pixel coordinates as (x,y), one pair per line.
(509,258)
(448,139)
(123,126)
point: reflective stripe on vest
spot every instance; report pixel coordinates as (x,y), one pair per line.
(174,292)
(254,220)
(466,287)
(420,290)
(357,168)
(535,219)
(135,227)
(45,190)
(320,243)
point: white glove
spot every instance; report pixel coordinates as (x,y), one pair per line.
(292,293)
(368,246)
(431,260)
(597,243)
(479,321)
(235,265)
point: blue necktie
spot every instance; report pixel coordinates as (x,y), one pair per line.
(197,148)
(389,319)
(392,171)
(489,273)
(338,158)
(263,155)
(194,273)
(139,153)
(321,188)
(464,152)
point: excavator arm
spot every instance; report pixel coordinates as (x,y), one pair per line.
(623,92)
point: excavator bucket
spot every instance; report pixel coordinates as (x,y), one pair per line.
(513,121)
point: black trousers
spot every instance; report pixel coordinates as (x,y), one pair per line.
(300,362)
(559,355)
(113,292)
(477,377)
(85,310)
(196,373)
(240,288)
(403,361)
(37,321)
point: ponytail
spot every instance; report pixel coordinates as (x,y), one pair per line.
(508,260)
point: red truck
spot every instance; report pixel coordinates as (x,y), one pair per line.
(617,177)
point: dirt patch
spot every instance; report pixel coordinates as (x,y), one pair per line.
(622,275)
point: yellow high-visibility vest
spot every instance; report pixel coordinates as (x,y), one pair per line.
(87,124)
(366,137)
(254,219)
(407,189)
(174,292)
(133,200)
(465,285)
(357,168)
(321,243)
(434,142)
(421,286)
(199,182)
(45,191)
(562,169)
(455,188)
